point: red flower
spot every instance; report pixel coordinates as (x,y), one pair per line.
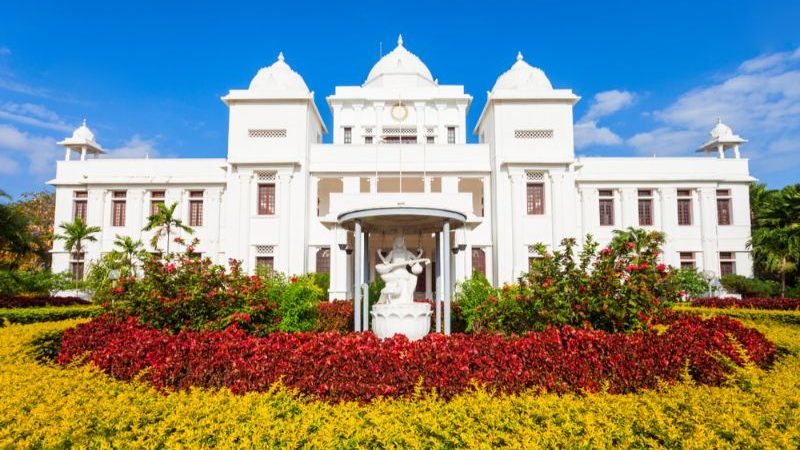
(630,245)
(547,282)
(190,249)
(606,251)
(118,290)
(661,267)
(294,280)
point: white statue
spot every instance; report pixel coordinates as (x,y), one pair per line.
(400,283)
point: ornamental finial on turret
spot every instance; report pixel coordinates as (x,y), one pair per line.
(84,122)
(280,56)
(399,40)
(519,56)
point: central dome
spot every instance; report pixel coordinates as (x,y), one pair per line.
(400,64)
(278,77)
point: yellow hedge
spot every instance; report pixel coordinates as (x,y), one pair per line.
(51,407)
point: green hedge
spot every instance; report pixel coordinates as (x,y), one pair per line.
(787,317)
(47,314)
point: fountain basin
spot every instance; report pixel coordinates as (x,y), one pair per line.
(410,319)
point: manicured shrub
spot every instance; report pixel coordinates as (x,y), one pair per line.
(50,407)
(612,289)
(689,282)
(40,301)
(359,366)
(189,293)
(47,314)
(335,316)
(786,304)
(42,283)
(749,287)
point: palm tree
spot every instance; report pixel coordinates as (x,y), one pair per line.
(75,233)
(164,222)
(775,239)
(128,249)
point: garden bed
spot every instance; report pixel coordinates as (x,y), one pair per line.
(358,366)
(784,304)
(40,301)
(41,404)
(47,314)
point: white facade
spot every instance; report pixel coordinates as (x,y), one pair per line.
(399,140)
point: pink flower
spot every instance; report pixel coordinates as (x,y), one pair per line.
(630,245)
(190,249)
(606,251)
(177,240)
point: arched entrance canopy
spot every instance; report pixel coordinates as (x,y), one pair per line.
(410,220)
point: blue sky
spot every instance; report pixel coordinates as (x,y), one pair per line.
(653,76)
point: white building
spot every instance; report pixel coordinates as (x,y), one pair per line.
(283,198)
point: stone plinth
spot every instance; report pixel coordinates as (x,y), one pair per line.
(410,319)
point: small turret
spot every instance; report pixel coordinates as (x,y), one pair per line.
(82,141)
(721,139)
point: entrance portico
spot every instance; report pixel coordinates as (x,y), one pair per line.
(406,221)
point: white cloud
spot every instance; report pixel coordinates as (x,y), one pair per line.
(608,102)
(760,101)
(605,103)
(22,88)
(40,151)
(135,147)
(588,133)
(8,166)
(33,115)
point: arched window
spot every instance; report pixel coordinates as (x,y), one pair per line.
(324,260)
(479,260)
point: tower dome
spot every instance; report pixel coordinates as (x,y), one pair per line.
(83,134)
(278,76)
(523,76)
(400,65)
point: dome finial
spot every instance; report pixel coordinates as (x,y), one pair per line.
(84,122)
(719,120)
(280,56)
(519,56)
(399,40)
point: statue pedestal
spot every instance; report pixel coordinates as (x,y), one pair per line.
(410,319)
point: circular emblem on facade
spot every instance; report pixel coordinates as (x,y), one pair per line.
(399,112)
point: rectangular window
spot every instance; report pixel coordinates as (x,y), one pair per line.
(723,207)
(118,208)
(266,199)
(535,198)
(348,135)
(606,207)
(645,207)
(368,139)
(727,263)
(687,260)
(684,207)
(451,135)
(430,140)
(323,260)
(76,265)
(265,263)
(79,203)
(156,199)
(478,261)
(195,208)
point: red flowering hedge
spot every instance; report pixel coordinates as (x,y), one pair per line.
(785,304)
(359,366)
(39,301)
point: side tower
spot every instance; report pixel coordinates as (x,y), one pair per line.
(272,125)
(528,126)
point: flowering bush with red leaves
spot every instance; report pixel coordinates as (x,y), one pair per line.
(184,292)
(335,316)
(784,304)
(39,301)
(359,366)
(613,289)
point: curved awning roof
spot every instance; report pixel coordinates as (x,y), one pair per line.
(409,219)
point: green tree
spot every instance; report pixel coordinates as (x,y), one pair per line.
(15,240)
(164,222)
(775,239)
(75,233)
(129,250)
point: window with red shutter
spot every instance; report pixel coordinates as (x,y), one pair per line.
(723,207)
(606,207)
(118,208)
(645,207)
(684,207)
(196,208)
(535,198)
(266,199)
(479,260)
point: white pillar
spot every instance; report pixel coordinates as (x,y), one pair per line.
(721,151)
(83,153)
(67,153)
(358,271)
(285,214)
(446,272)
(517,200)
(736,153)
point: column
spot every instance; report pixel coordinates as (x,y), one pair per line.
(284,214)
(357,274)
(67,153)
(446,272)
(437,303)
(426,182)
(83,153)
(518,203)
(708,227)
